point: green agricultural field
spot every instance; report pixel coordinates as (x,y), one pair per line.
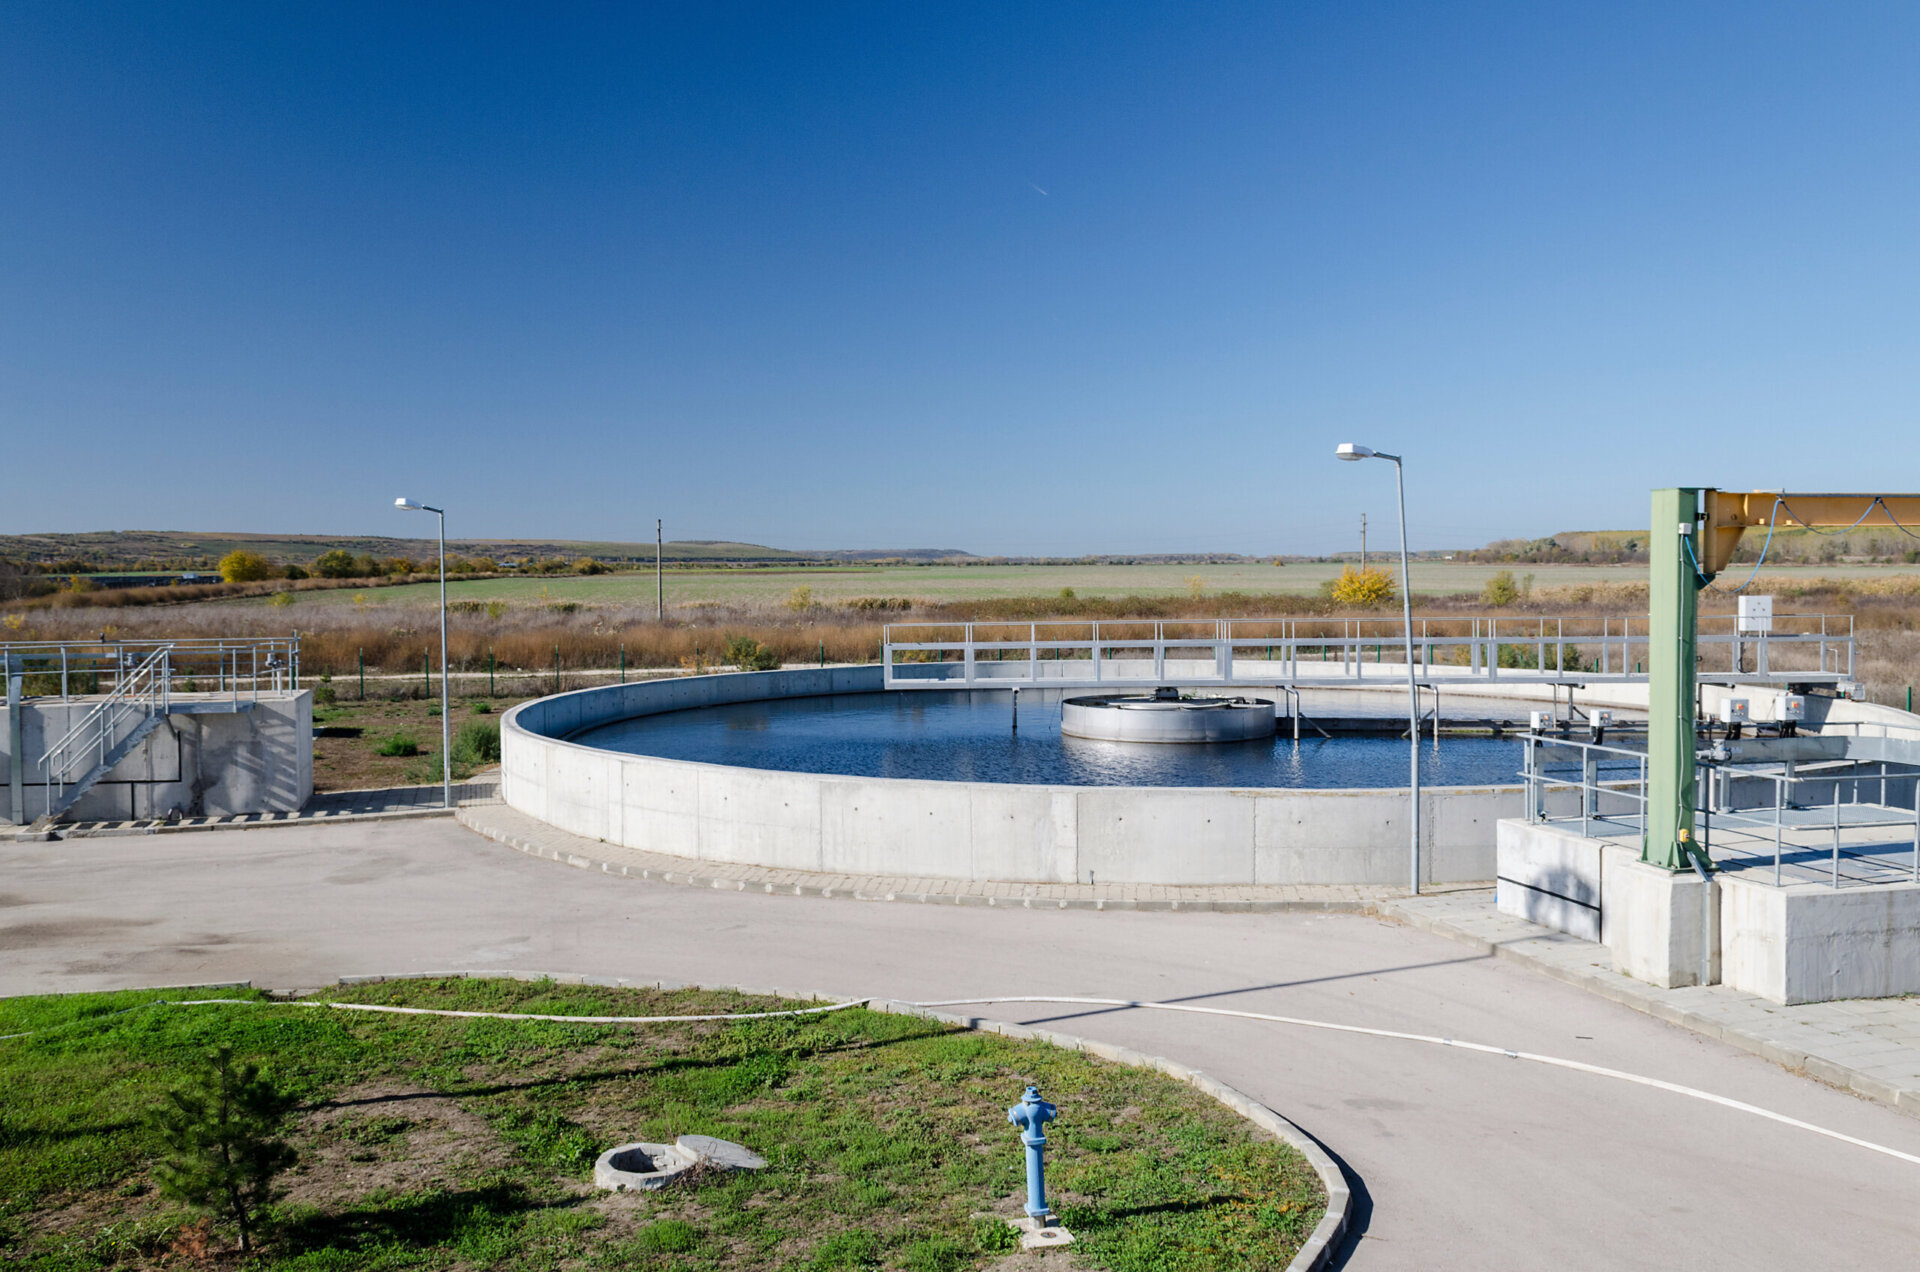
(828,585)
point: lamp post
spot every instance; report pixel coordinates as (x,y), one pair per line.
(1350,451)
(446,728)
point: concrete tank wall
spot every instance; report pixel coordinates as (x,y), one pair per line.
(963,830)
(212,764)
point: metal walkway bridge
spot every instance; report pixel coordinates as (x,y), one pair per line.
(1802,649)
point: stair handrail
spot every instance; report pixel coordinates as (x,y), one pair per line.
(146,690)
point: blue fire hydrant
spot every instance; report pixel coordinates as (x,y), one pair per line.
(1031,1115)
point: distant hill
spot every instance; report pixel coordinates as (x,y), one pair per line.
(185,549)
(1788,546)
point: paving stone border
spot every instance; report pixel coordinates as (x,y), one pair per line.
(1313,1256)
(1869,1046)
(527,834)
(384,803)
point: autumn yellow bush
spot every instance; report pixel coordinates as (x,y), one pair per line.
(1363,589)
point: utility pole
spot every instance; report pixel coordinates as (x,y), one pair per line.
(1363,543)
(659,587)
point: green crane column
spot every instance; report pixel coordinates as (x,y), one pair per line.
(1673,616)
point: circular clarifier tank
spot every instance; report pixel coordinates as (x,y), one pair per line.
(1166,715)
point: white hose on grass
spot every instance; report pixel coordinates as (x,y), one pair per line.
(438,1011)
(1558,1062)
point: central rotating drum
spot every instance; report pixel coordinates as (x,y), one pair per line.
(1166,716)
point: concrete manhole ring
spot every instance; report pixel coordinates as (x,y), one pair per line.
(643,1167)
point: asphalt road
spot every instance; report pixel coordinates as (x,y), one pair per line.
(1462,1160)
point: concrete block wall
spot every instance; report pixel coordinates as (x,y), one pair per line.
(1803,943)
(215,764)
(1810,943)
(1648,918)
(963,830)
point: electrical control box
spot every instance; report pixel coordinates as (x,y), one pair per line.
(1756,614)
(1542,721)
(1734,711)
(1790,707)
(1600,718)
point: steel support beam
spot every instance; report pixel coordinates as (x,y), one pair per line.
(1711,523)
(1673,611)
(12,668)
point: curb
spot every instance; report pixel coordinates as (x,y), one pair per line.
(242,821)
(1314,1254)
(1904,1099)
(693,878)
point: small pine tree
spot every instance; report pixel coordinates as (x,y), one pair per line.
(222,1150)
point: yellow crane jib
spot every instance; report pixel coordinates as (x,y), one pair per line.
(1730,513)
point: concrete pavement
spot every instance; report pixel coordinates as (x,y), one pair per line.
(1462,1160)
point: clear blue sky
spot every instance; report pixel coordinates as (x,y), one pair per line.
(1012,278)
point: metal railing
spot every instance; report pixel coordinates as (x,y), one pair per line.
(141,692)
(1799,801)
(1810,648)
(242,666)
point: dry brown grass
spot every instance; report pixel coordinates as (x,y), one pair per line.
(522,638)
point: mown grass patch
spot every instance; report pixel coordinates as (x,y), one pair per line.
(439,1143)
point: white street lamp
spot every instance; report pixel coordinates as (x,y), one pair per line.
(446,728)
(1350,451)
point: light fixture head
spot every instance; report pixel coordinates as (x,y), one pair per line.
(404,502)
(1353,451)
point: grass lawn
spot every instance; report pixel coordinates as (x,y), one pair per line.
(349,735)
(444,1143)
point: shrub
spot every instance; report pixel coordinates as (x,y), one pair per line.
(748,654)
(337,564)
(800,599)
(295,572)
(280,600)
(400,744)
(477,743)
(1196,586)
(324,696)
(587,565)
(1500,589)
(222,1154)
(1363,589)
(241,566)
